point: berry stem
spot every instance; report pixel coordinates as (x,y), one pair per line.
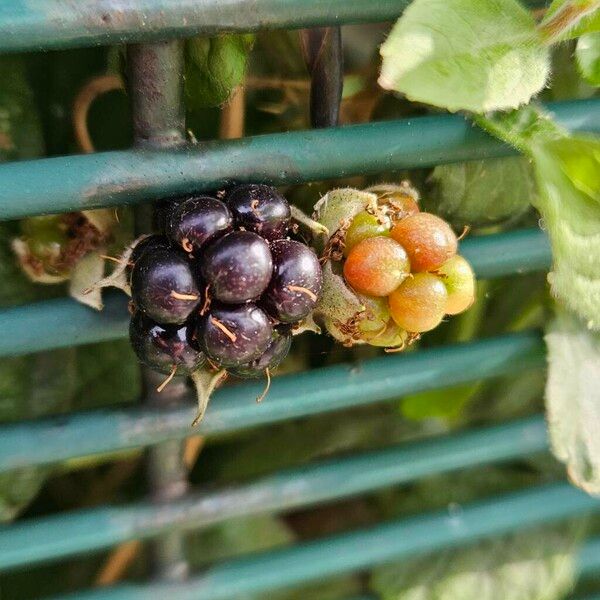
(180,296)
(168,380)
(303,290)
(267,387)
(224,329)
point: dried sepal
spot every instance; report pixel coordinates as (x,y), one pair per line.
(348,317)
(307,324)
(33,267)
(51,246)
(315,228)
(206,380)
(85,273)
(118,278)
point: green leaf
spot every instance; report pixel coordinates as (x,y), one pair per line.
(476,55)
(214,68)
(523,127)
(588,57)
(579,159)
(522,566)
(569,19)
(568,180)
(484,192)
(568,203)
(447,403)
(573,399)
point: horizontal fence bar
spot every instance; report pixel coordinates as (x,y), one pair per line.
(60,23)
(128,177)
(64,322)
(51,538)
(61,323)
(60,438)
(51,24)
(336,555)
(588,559)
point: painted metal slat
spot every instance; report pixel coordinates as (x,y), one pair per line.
(28,542)
(333,388)
(132,176)
(335,555)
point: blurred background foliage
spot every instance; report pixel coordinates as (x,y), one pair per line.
(36,115)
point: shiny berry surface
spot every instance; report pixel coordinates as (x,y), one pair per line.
(376,266)
(278,349)
(237,267)
(261,209)
(459,279)
(296,283)
(428,240)
(149,243)
(419,304)
(197,221)
(375,317)
(232,336)
(364,225)
(163,286)
(163,347)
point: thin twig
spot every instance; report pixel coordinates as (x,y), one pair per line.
(232,116)
(81,106)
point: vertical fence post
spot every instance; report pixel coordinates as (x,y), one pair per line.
(155,82)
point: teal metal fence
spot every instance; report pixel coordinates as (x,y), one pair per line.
(143,174)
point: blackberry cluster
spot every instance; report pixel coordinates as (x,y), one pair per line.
(223,283)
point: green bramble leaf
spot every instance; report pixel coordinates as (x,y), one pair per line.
(475,55)
(568,202)
(573,399)
(567,171)
(214,68)
(481,192)
(569,19)
(521,566)
(588,57)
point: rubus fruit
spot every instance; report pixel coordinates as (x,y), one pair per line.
(198,220)
(234,335)
(165,347)
(363,225)
(164,287)
(261,209)
(428,240)
(296,282)
(237,267)
(276,351)
(419,304)
(459,279)
(149,243)
(376,266)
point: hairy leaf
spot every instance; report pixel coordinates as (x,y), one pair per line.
(567,171)
(588,57)
(568,19)
(480,193)
(85,274)
(523,566)
(573,399)
(476,55)
(572,219)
